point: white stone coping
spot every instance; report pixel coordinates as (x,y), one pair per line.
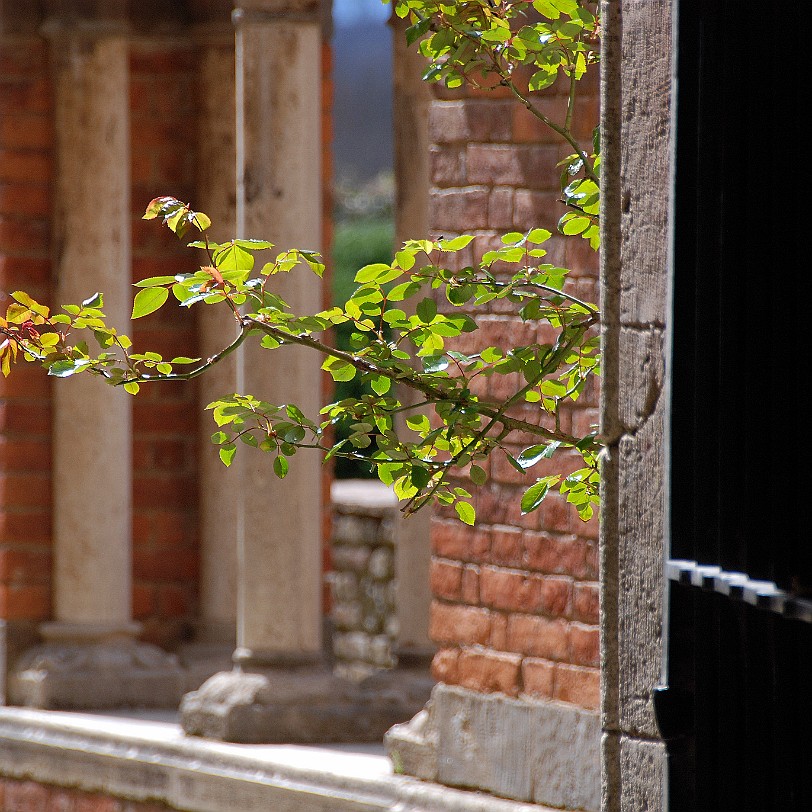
(142,759)
(362,493)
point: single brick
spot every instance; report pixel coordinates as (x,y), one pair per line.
(538,637)
(489,671)
(464,121)
(469,591)
(556,554)
(448,208)
(448,166)
(452,539)
(460,625)
(444,665)
(500,208)
(535,209)
(580,686)
(499,623)
(584,645)
(531,167)
(446,579)
(25,796)
(24,566)
(25,602)
(506,547)
(538,677)
(586,602)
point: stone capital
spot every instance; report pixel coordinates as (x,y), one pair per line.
(247,12)
(86,19)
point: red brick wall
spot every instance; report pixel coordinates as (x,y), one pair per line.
(515,605)
(26,169)
(165,417)
(28,796)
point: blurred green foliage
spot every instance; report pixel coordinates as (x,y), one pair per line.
(357,242)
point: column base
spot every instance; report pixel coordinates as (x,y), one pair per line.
(118,673)
(302,705)
(524,749)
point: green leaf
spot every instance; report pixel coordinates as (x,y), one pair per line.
(534,496)
(435,363)
(456,243)
(478,475)
(280,466)
(466,512)
(414,32)
(427,310)
(530,456)
(370,273)
(62,369)
(269,342)
(418,422)
(340,370)
(182,359)
(132,387)
(94,301)
(380,385)
(420,476)
(538,236)
(227,453)
(152,282)
(234,257)
(148,301)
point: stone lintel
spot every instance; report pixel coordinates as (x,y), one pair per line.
(119,673)
(526,750)
(301,706)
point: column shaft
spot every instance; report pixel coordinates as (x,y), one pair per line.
(92,437)
(412,178)
(279,198)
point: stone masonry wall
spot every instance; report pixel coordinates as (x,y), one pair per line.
(363,584)
(515,607)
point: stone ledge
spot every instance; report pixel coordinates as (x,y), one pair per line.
(153,761)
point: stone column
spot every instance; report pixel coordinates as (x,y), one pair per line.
(90,657)
(412,99)
(282,688)
(279,541)
(219,486)
(279,198)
